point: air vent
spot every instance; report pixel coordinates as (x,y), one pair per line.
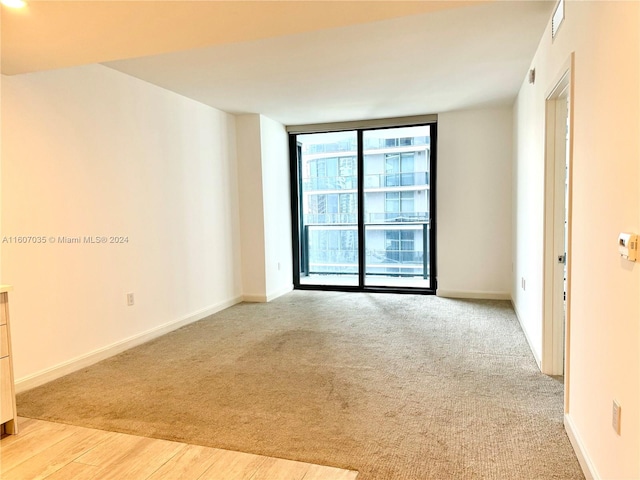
(557,19)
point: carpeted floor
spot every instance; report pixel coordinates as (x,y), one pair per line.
(397,387)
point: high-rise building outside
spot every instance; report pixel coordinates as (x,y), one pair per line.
(396,202)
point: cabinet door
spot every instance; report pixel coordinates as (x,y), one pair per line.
(4,341)
(6,396)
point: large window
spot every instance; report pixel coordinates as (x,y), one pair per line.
(362,199)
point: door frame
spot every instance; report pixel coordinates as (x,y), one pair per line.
(556,310)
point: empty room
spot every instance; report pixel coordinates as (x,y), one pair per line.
(304,240)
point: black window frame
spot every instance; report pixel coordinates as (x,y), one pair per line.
(300,263)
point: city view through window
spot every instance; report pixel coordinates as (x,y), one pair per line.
(396,184)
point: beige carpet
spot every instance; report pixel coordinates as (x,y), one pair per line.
(397,387)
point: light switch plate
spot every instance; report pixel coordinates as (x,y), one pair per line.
(615,416)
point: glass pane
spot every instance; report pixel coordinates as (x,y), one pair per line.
(407,169)
(396,204)
(407,162)
(329,209)
(407,204)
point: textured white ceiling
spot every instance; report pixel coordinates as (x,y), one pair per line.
(295,61)
(51,34)
(428,63)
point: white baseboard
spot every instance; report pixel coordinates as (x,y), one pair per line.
(70,366)
(254,298)
(526,335)
(588,468)
(278,293)
(261,298)
(473,294)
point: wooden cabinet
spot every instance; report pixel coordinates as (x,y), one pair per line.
(8,413)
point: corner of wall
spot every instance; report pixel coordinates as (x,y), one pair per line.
(536,355)
(588,468)
(251,201)
(276,204)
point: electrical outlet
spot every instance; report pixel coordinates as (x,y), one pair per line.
(523,284)
(278,265)
(615,416)
(130,300)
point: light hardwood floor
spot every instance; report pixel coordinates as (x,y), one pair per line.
(64,452)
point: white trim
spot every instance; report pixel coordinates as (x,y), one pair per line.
(262,298)
(278,293)
(254,298)
(70,366)
(473,294)
(588,468)
(555,211)
(526,335)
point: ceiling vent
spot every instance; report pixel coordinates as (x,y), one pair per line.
(557,19)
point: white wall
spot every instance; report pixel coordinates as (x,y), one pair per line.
(251,207)
(276,189)
(263,169)
(89,151)
(0,150)
(528,213)
(474,203)
(604,339)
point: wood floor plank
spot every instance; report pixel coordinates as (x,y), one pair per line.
(111,450)
(76,471)
(27,427)
(189,464)
(142,461)
(233,466)
(53,458)
(51,451)
(22,423)
(18,449)
(273,468)
(319,472)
